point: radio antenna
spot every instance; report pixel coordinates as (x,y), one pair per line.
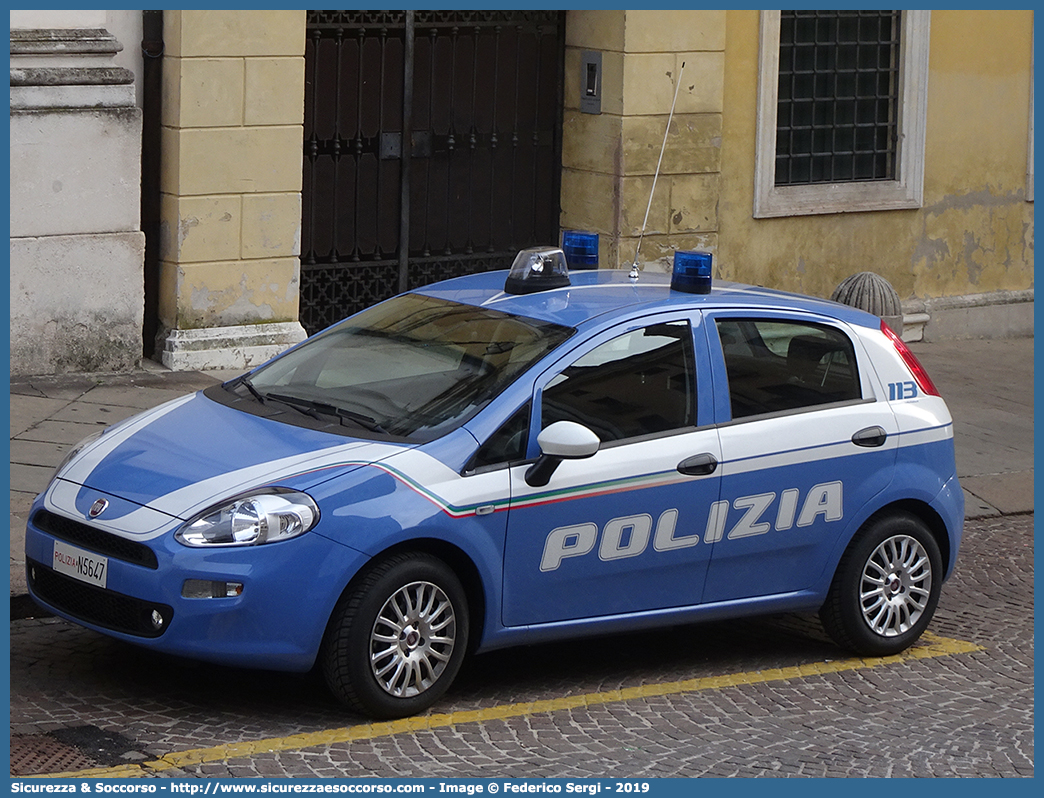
(634,266)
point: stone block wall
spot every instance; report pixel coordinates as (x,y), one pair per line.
(233,111)
(609,160)
(76,245)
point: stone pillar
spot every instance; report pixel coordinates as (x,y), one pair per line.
(233,117)
(76,245)
(609,159)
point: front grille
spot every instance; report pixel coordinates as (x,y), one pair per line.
(94,605)
(95,539)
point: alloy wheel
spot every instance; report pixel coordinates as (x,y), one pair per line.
(412,639)
(896,585)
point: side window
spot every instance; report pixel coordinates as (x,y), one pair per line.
(640,383)
(506,444)
(775,366)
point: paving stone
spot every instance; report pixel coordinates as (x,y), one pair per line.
(102,415)
(29,478)
(63,432)
(27,411)
(1008,493)
(38,453)
(135,398)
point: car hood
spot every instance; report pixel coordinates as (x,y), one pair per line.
(183,456)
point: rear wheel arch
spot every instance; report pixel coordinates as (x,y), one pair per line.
(929,517)
(920,509)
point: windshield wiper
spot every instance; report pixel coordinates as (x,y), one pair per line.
(306,406)
(363,421)
(245,381)
(312,408)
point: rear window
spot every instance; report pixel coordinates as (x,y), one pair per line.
(778,366)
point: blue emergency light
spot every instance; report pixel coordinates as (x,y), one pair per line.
(692,272)
(581,249)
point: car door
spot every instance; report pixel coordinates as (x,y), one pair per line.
(805,445)
(620,531)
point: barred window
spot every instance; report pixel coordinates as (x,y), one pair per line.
(837,114)
(842,110)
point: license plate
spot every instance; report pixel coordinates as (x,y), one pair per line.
(79,564)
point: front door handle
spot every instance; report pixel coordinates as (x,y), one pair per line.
(699,465)
(870,437)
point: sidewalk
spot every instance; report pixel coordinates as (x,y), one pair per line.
(988,385)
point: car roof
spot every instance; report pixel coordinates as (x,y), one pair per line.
(597,293)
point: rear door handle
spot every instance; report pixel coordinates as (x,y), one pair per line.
(870,437)
(699,465)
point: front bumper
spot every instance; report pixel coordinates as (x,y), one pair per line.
(289,591)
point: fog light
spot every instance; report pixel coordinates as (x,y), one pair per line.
(206,588)
(157,620)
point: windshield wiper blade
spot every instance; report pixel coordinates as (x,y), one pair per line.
(231,385)
(363,421)
(313,408)
(250,387)
(306,406)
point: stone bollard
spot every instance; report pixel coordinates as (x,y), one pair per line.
(874,294)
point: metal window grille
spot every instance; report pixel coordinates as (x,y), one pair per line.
(837,112)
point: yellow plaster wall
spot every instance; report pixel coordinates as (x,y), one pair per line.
(233,111)
(609,160)
(974,233)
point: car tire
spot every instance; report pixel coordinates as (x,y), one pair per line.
(886,587)
(397,638)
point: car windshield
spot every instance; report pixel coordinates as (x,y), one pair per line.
(414,367)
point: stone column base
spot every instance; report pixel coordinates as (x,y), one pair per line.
(240,347)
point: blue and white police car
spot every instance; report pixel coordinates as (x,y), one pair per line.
(488,462)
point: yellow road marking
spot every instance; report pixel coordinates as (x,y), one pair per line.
(929,647)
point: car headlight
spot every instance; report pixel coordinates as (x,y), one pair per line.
(252,519)
(72,453)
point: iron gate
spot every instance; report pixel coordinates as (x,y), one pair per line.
(437,128)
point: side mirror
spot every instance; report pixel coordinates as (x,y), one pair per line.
(563,440)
